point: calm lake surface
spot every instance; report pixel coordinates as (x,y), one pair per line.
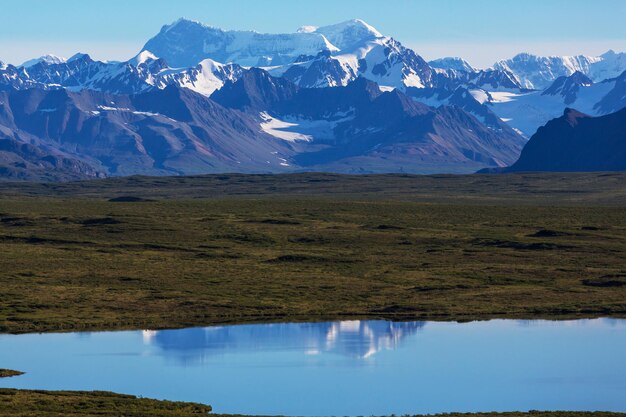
(341,368)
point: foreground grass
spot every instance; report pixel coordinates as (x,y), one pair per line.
(70,259)
(64,403)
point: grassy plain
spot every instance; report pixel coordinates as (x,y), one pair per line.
(170,252)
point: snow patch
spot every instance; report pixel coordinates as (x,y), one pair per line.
(282,130)
(143,57)
(307,29)
(126,109)
(479,95)
(293,128)
(107,108)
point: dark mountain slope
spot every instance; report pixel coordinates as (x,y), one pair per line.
(23,157)
(615,99)
(577,142)
(170,131)
(255,90)
(567,87)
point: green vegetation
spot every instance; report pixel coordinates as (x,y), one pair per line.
(17,403)
(7,373)
(63,403)
(175,252)
(510,189)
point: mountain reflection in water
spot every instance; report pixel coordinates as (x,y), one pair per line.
(357,339)
(349,368)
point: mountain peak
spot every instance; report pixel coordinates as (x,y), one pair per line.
(539,72)
(349,34)
(48,59)
(255,89)
(142,57)
(182,23)
(572,116)
(568,86)
(78,56)
(453,63)
(580,78)
(397,103)
(361,25)
(307,29)
(523,56)
(184,43)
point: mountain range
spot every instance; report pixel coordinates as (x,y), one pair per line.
(257,124)
(344,98)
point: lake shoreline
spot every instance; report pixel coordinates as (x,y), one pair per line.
(41,403)
(322,319)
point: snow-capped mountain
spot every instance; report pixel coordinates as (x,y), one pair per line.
(349,35)
(81,72)
(141,73)
(611,65)
(522,109)
(538,72)
(12,77)
(323,70)
(246,48)
(452,63)
(204,78)
(568,87)
(360,50)
(48,59)
(383,60)
(311,57)
(527,111)
(494,80)
(472,100)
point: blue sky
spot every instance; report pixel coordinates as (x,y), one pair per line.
(482,31)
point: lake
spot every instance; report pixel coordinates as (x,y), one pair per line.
(344,368)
